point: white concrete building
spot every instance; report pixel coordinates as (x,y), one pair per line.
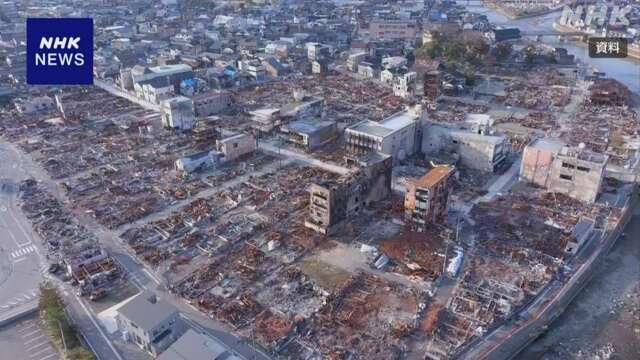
(404,86)
(149,322)
(395,135)
(178,113)
(198,162)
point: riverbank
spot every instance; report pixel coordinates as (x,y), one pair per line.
(633,52)
(511,338)
(499,7)
(603,321)
(624,70)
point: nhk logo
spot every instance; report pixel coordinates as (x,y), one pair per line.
(56,58)
(59,51)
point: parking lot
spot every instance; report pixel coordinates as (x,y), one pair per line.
(25,339)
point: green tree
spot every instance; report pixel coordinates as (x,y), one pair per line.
(51,308)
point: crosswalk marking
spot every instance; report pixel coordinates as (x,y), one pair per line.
(23,251)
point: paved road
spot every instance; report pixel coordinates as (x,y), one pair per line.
(502,183)
(20,272)
(272,147)
(28,267)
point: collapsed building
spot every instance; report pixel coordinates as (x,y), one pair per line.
(426,199)
(303,108)
(333,201)
(574,171)
(265,120)
(608,92)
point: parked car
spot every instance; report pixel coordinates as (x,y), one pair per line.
(54,268)
(98,294)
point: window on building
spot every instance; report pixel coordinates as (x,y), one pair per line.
(235,145)
(585,169)
(568,166)
(566,177)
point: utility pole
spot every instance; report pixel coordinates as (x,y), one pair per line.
(64,343)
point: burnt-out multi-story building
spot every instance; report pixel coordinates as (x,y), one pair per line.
(336,200)
(426,199)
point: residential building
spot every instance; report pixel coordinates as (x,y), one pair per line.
(404,85)
(236,146)
(303,108)
(537,160)
(393,29)
(254,68)
(394,63)
(178,113)
(197,162)
(387,76)
(274,68)
(149,322)
(265,120)
(498,35)
(160,76)
(155,93)
(211,103)
(367,70)
(426,199)
(333,201)
(316,51)
(354,60)
(579,235)
(319,67)
(197,346)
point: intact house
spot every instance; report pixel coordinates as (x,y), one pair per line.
(149,322)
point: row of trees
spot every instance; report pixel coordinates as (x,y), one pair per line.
(463,51)
(457,51)
(59,328)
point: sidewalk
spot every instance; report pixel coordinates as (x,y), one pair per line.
(18,313)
